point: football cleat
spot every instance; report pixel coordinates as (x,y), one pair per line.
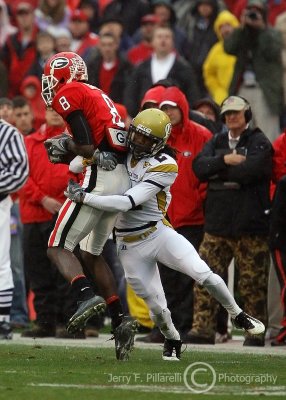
(86,309)
(124,337)
(172,350)
(249,324)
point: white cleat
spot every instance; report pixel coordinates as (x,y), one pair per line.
(249,324)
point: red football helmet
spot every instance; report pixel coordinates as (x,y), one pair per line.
(60,69)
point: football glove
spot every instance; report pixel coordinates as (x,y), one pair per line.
(74,192)
(105,160)
(57,148)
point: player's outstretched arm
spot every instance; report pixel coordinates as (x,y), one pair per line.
(107,203)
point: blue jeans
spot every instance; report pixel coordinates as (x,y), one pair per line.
(19,310)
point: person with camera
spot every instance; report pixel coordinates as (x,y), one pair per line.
(237,167)
(258,69)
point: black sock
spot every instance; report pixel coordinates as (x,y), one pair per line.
(81,288)
(115,311)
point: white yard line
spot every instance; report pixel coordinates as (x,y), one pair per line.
(218,390)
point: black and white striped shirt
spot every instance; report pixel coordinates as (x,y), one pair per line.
(14,167)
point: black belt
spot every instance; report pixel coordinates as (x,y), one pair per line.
(138,228)
(3,196)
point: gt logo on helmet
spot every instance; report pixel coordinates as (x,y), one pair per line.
(60,62)
(168,128)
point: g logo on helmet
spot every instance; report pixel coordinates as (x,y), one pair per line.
(59,63)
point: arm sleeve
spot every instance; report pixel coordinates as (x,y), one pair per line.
(80,128)
(108,203)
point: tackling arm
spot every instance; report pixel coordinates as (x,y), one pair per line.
(135,196)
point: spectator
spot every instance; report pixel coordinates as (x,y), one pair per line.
(258,69)
(19,53)
(40,200)
(218,66)
(23,115)
(280,25)
(90,8)
(108,70)
(3,80)
(52,13)
(275,8)
(143,50)
(211,111)
(131,12)
(62,37)
(83,41)
(13,174)
(277,227)
(198,21)
(152,99)
(6,28)
(237,166)
(31,91)
(164,63)
(6,110)
(45,46)
(115,26)
(164,11)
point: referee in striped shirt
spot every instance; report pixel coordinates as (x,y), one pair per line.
(14,170)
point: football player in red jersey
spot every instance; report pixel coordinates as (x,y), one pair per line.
(98,134)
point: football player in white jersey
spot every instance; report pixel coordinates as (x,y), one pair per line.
(144,236)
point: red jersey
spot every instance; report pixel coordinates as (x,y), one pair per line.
(107,128)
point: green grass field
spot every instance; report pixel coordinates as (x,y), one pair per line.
(35,372)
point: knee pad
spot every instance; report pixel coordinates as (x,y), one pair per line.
(161,319)
(212,280)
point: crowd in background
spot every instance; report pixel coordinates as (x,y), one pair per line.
(190,54)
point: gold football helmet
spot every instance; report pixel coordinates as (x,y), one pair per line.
(148,133)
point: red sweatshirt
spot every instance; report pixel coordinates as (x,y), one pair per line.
(46,179)
(186,208)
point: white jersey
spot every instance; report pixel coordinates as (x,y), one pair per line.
(151,179)
(149,197)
